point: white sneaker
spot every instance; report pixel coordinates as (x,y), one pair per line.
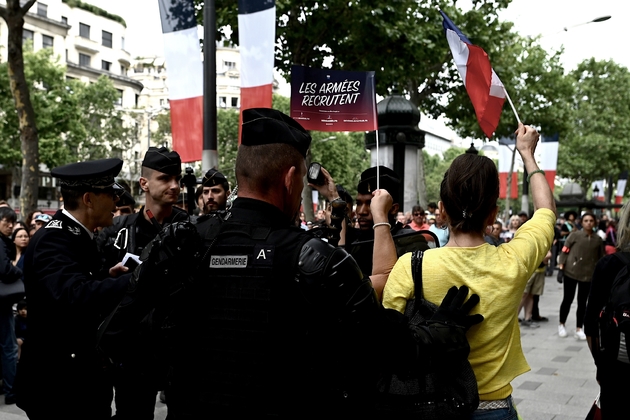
(579,335)
(562,332)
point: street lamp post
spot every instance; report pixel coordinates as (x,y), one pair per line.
(596,20)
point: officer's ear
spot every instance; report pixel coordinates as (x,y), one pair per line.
(87,199)
(143,183)
(289,178)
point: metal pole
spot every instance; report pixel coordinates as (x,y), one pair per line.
(209,157)
(148,130)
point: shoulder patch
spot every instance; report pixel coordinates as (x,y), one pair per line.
(54,224)
(74,230)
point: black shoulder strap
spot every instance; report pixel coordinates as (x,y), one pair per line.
(416,272)
(624,257)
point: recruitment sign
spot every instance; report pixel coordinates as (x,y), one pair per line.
(333,100)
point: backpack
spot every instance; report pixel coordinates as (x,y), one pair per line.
(614,318)
(440,392)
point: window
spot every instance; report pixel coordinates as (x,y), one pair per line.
(64,20)
(47,41)
(229,65)
(234,102)
(42,9)
(84,30)
(122,43)
(107,39)
(123,70)
(27,35)
(222,102)
(106,65)
(120,98)
(85,60)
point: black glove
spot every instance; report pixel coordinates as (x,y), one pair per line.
(454,310)
(560,277)
(170,257)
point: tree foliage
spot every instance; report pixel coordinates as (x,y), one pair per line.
(75,121)
(597,145)
(404,42)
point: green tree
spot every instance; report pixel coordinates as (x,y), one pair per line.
(597,146)
(13,14)
(75,121)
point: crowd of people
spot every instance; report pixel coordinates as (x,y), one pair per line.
(243,307)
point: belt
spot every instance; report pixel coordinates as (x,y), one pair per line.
(494,404)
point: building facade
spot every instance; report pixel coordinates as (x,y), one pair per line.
(90,42)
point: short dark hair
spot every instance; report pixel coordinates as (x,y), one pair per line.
(8,213)
(71,197)
(469,192)
(262,167)
(21,304)
(432,205)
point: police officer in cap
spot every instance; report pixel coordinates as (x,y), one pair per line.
(161,174)
(216,190)
(278,323)
(60,374)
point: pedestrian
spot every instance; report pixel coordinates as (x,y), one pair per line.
(136,390)
(580,253)
(9,273)
(61,375)
(21,239)
(278,323)
(613,400)
(469,194)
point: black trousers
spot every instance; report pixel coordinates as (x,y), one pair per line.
(584,287)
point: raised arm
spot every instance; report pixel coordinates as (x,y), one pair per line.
(384,255)
(526,141)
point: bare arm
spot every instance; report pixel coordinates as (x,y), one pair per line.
(526,141)
(384,254)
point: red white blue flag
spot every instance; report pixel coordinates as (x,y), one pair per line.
(549,157)
(482,84)
(185,76)
(621,187)
(256,38)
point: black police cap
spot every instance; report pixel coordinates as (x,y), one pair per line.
(163,160)
(212,178)
(268,126)
(88,175)
(388,181)
(126,199)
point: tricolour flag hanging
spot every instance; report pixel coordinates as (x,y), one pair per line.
(506,146)
(256,37)
(482,84)
(549,158)
(598,190)
(185,76)
(621,187)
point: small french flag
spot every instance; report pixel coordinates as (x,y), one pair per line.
(484,87)
(257,38)
(185,76)
(621,187)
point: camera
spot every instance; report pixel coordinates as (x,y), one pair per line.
(314,174)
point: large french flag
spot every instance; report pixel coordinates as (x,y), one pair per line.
(185,76)
(549,158)
(506,146)
(621,187)
(482,84)
(256,37)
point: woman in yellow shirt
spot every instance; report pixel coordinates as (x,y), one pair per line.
(469,194)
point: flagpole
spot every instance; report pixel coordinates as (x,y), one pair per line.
(507,95)
(378,178)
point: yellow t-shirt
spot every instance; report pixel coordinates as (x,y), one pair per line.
(498,275)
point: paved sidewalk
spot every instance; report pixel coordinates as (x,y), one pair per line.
(560,386)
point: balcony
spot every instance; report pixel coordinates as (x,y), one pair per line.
(87,45)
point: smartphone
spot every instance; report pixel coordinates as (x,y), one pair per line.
(314,174)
